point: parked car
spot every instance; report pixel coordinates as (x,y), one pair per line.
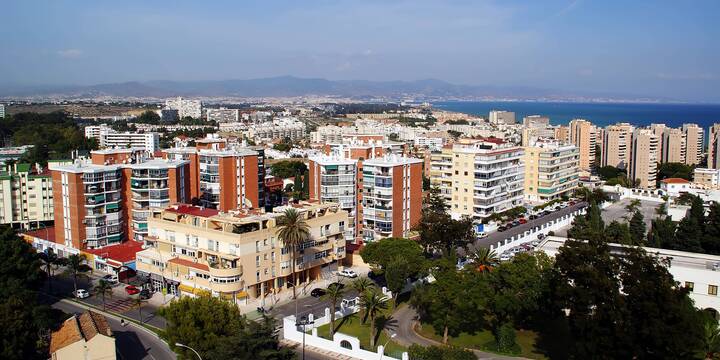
(502,228)
(112,279)
(482,235)
(516,223)
(318,292)
(145,294)
(540,236)
(131,290)
(505,257)
(81,293)
(533,217)
(572,203)
(347,273)
(522,221)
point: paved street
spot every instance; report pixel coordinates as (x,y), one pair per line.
(495,237)
(132,342)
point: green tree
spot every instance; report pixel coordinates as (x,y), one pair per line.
(258,340)
(662,233)
(674,170)
(633,206)
(441,233)
(362,284)
(417,352)
(104,289)
(688,235)
(373,304)
(484,259)
(50,262)
(138,301)
(293,232)
(435,201)
(506,339)
(637,228)
(148,117)
(711,339)
(396,274)
(306,185)
(286,169)
(333,295)
(76,268)
(711,241)
(609,172)
(381,253)
(618,232)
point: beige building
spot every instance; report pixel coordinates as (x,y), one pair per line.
(707,178)
(585,136)
(562,133)
(644,158)
(499,117)
(551,170)
(713,157)
(237,254)
(694,142)
(672,146)
(26,196)
(479,176)
(616,145)
(83,337)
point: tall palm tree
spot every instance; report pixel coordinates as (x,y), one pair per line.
(373,303)
(711,340)
(138,301)
(485,259)
(50,261)
(103,288)
(362,284)
(76,268)
(333,294)
(293,231)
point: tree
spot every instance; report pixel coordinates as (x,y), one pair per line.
(333,295)
(257,341)
(138,301)
(441,233)
(103,288)
(435,202)
(688,234)
(485,259)
(148,117)
(19,266)
(381,253)
(609,172)
(662,233)
(711,241)
(286,169)
(711,339)
(637,228)
(589,225)
(633,205)
(396,274)
(306,185)
(418,352)
(373,303)
(293,232)
(76,268)
(51,262)
(674,170)
(362,284)
(619,233)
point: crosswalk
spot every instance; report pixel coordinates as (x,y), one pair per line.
(120,305)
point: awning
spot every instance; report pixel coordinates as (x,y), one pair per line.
(192,290)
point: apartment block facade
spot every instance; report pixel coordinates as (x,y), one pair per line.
(551,170)
(481,177)
(185,107)
(236,255)
(644,158)
(501,117)
(695,144)
(673,145)
(149,141)
(335,179)
(26,196)
(586,137)
(707,178)
(713,152)
(616,145)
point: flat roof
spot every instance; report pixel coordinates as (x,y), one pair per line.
(184,209)
(332,160)
(122,253)
(86,168)
(157,164)
(391,160)
(47,233)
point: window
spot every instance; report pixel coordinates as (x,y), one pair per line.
(712,290)
(690,285)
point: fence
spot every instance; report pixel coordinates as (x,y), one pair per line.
(341,343)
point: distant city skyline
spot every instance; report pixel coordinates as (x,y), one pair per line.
(659,49)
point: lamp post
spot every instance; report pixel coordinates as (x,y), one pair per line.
(303,322)
(191,349)
(392,336)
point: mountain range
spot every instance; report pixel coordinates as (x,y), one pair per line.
(289,86)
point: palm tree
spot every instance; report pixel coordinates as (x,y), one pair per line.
(633,205)
(293,231)
(362,284)
(373,303)
(138,301)
(76,268)
(711,339)
(333,294)
(103,288)
(485,259)
(50,261)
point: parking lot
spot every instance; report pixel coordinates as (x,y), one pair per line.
(617,212)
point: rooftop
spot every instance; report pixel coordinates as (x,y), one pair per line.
(47,233)
(157,164)
(192,210)
(121,253)
(675,181)
(79,327)
(392,160)
(79,167)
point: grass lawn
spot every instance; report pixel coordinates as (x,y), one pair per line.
(484,341)
(352,325)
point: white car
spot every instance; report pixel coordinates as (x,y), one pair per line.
(81,293)
(482,235)
(505,257)
(112,279)
(347,273)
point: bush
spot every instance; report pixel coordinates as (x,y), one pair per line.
(417,352)
(506,339)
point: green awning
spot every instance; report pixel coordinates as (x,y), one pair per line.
(113,206)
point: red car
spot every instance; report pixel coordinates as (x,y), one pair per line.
(131,290)
(522,221)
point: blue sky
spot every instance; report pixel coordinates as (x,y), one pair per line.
(656,48)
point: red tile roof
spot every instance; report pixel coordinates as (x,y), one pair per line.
(675,181)
(193,210)
(78,327)
(47,233)
(122,253)
(189,263)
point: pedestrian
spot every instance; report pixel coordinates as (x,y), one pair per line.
(122,322)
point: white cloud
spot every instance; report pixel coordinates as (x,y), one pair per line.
(70,53)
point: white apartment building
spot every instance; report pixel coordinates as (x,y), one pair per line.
(707,178)
(26,198)
(432,143)
(2,111)
(148,141)
(551,170)
(278,129)
(191,108)
(94,131)
(334,179)
(502,117)
(481,177)
(223,115)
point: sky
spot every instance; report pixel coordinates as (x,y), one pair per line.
(656,48)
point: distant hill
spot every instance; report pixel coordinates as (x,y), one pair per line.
(285,86)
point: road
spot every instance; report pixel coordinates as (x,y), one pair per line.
(497,236)
(131,341)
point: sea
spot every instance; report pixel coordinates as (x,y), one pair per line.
(601,114)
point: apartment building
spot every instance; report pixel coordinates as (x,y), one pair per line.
(537,121)
(185,108)
(644,158)
(2,111)
(480,176)
(672,146)
(228,178)
(694,142)
(223,115)
(335,179)
(713,153)
(26,196)
(562,133)
(236,255)
(531,134)
(499,117)
(149,141)
(616,145)
(94,131)
(586,137)
(551,170)
(278,129)
(391,196)
(707,178)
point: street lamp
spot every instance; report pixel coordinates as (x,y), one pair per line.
(191,349)
(303,322)
(392,336)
